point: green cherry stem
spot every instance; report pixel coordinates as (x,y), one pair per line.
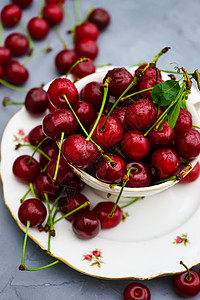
(48,49)
(30,41)
(55,27)
(41,9)
(36,149)
(131,202)
(59,154)
(164,50)
(188,278)
(43,267)
(69,18)
(32,190)
(52,231)
(2,35)
(25,195)
(77,11)
(195,126)
(22,266)
(135,93)
(7,101)
(12,86)
(82,59)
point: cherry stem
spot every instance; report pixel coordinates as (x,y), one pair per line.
(42,268)
(31,45)
(13,87)
(25,195)
(54,205)
(102,65)
(52,231)
(32,190)
(2,35)
(195,126)
(59,36)
(86,203)
(24,245)
(82,59)
(164,50)
(77,11)
(41,9)
(7,101)
(106,85)
(69,18)
(165,180)
(188,278)
(36,149)
(58,159)
(131,202)
(136,93)
(87,15)
(48,49)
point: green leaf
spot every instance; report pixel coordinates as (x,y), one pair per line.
(165,92)
(173,114)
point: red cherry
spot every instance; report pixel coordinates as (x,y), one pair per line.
(183,122)
(75,185)
(36,135)
(11,15)
(136,291)
(140,176)
(71,202)
(86,225)
(55,1)
(161,137)
(86,48)
(119,114)
(53,14)
(51,151)
(86,30)
(5,55)
(146,83)
(100,17)
(79,152)
(25,171)
(64,171)
(43,184)
(36,101)
(1,72)
(93,93)
(38,28)
(103,209)
(192,175)
(148,72)
(17,43)
(64,60)
(187,143)
(16,73)
(23,3)
(83,69)
(85,112)
(32,210)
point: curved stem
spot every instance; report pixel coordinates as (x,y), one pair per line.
(32,190)
(36,53)
(2,35)
(77,11)
(36,149)
(59,154)
(42,268)
(188,278)
(69,18)
(24,197)
(59,36)
(82,59)
(30,41)
(22,266)
(13,87)
(131,202)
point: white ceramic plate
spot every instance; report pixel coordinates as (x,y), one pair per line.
(158,232)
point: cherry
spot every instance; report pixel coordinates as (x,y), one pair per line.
(25,169)
(16,73)
(103,210)
(136,291)
(166,161)
(53,14)
(75,185)
(140,175)
(23,3)
(192,175)
(79,152)
(183,122)
(119,114)
(64,60)
(60,87)
(43,184)
(5,55)
(187,143)
(55,1)
(64,171)
(86,30)
(83,69)
(11,15)
(135,145)
(32,210)
(1,72)
(51,151)
(142,114)
(146,83)
(161,137)
(120,78)
(148,72)
(38,28)
(36,101)
(106,172)
(111,135)
(72,201)
(17,43)
(36,135)
(61,120)
(187,284)
(100,17)
(93,93)
(86,225)
(86,48)
(85,112)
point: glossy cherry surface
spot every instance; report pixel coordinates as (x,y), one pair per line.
(100,17)
(86,30)
(187,143)
(83,69)
(36,101)
(23,3)
(86,48)
(51,151)
(64,60)
(64,171)
(17,43)
(192,175)
(146,83)
(140,175)
(183,122)
(136,291)
(43,184)
(93,93)
(5,55)
(25,171)
(38,28)
(161,137)
(185,287)
(16,73)
(11,15)
(36,135)
(53,14)
(85,112)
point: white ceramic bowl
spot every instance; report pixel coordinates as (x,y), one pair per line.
(104,189)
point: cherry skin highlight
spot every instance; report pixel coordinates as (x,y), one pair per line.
(17,43)
(5,55)
(11,15)
(86,30)
(38,28)
(53,14)
(140,175)
(136,291)
(192,175)
(83,69)
(183,122)
(36,101)
(25,171)
(16,73)
(185,287)
(36,135)
(86,48)
(32,210)
(64,171)
(161,137)
(64,60)
(93,93)
(100,17)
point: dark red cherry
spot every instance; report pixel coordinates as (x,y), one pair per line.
(64,60)
(86,30)
(146,83)
(11,15)
(36,101)
(64,171)
(187,143)
(140,175)
(71,202)
(5,55)
(85,112)
(17,43)
(103,210)
(111,135)
(120,78)
(192,175)
(136,291)
(51,151)
(161,137)
(100,17)
(148,72)
(119,114)
(60,87)
(86,48)
(183,122)
(75,185)
(36,135)
(16,73)
(55,1)
(83,69)
(43,184)
(61,120)
(79,152)
(23,3)
(166,161)
(25,170)
(135,145)
(53,14)
(93,93)
(32,210)
(106,172)
(1,72)
(86,225)
(38,28)
(142,114)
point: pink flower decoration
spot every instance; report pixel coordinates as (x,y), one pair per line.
(96,253)
(88,256)
(21,132)
(26,139)
(179,240)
